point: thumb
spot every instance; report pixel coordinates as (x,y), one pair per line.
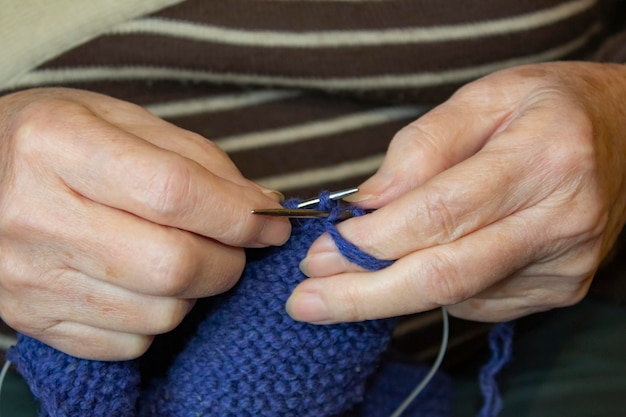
(441,138)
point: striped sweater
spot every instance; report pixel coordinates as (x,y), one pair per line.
(305,95)
(289,88)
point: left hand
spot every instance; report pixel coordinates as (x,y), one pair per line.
(499,203)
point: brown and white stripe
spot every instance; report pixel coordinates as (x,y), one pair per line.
(306,94)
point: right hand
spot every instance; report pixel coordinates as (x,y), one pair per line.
(113,221)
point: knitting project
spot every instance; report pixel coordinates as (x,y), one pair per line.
(246,357)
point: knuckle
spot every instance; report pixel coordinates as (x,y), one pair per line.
(168,189)
(436,212)
(32,120)
(224,277)
(443,281)
(209,147)
(173,269)
(45,121)
(416,140)
(575,154)
(19,219)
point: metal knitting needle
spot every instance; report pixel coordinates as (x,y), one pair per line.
(295,213)
(337,195)
(304,213)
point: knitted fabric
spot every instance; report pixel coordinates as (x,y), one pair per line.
(247,358)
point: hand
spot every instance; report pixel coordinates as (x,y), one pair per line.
(112,222)
(499,203)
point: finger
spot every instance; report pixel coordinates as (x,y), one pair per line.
(130,174)
(560,278)
(437,276)
(441,138)
(101,305)
(87,342)
(324,260)
(521,295)
(140,122)
(462,199)
(66,295)
(509,174)
(116,247)
(442,210)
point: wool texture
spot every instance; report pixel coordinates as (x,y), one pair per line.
(247,357)
(501,345)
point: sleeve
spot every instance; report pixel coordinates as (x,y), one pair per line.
(33,31)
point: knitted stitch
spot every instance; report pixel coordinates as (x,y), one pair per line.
(251,359)
(67,386)
(248,357)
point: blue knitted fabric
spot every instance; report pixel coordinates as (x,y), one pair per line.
(247,358)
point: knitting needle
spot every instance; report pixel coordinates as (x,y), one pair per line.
(337,195)
(301,213)
(305,213)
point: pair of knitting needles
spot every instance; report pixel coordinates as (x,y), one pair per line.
(303,210)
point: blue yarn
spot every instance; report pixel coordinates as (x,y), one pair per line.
(67,386)
(501,345)
(348,249)
(247,358)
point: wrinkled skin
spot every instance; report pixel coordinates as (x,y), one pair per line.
(498,203)
(112,222)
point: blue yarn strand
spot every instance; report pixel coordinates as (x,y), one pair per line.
(501,345)
(348,249)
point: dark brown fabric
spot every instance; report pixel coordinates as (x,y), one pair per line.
(339,61)
(328,15)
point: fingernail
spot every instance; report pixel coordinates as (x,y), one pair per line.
(324,264)
(275,195)
(308,307)
(304,267)
(358,197)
